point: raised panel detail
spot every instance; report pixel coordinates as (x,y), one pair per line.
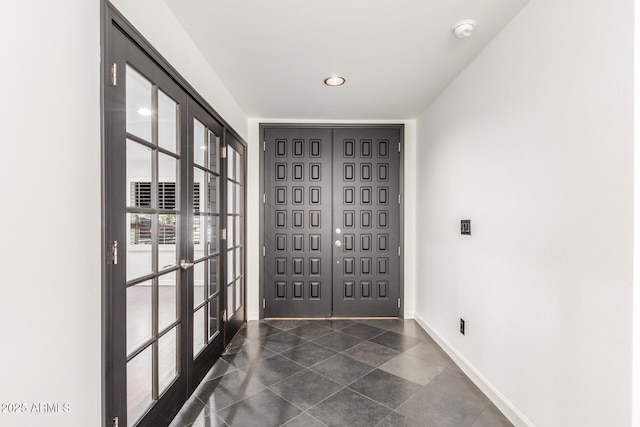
(281,242)
(383,172)
(349,172)
(383,219)
(314,242)
(298,172)
(281,290)
(349,266)
(298,195)
(383,195)
(316,148)
(281,195)
(281,219)
(365,264)
(281,171)
(383,265)
(298,242)
(314,219)
(365,216)
(365,289)
(298,148)
(348,290)
(349,148)
(366,195)
(383,242)
(314,172)
(383,148)
(298,219)
(298,266)
(349,195)
(349,219)
(314,290)
(366,242)
(281,148)
(314,266)
(315,195)
(281,266)
(349,242)
(366,148)
(298,291)
(365,170)
(383,289)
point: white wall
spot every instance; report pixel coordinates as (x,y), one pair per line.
(50,184)
(254,199)
(155,21)
(636,221)
(534,143)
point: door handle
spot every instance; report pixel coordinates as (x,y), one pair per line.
(338,243)
(184,264)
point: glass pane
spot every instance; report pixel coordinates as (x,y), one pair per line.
(167,300)
(231,162)
(167,359)
(238,262)
(199,143)
(230,264)
(139,301)
(167,251)
(212,233)
(198,283)
(213,276)
(139,255)
(238,200)
(214,151)
(213,318)
(238,227)
(231,192)
(199,191)
(238,167)
(139,160)
(231,223)
(212,193)
(168,190)
(139,104)
(238,294)
(198,331)
(139,385)
(230,306)
(199,236)
(167,123)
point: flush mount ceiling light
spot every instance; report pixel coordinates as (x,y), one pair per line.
(144,111)
(334,81)
(463,29)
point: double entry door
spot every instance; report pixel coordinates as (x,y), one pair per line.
(174,211)
(332,221)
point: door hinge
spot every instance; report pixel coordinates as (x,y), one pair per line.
(398,302)
(114,252)
(114,74)
(223,152)
(115,422)
(264,145)
(398,250)
(399,199)
(264,251)
(224,233)
(264,303)
(399,147)
(224,315)
(264,198)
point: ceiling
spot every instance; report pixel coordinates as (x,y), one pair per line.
(396,56)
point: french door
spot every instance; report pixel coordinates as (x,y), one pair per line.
(172,276)
(332,222)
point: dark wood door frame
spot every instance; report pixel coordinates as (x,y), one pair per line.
(262,128)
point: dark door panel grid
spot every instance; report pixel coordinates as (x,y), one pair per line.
(332,222)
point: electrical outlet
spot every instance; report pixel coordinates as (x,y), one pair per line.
(465,226)
(462,326)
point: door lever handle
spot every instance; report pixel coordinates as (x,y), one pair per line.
(184,264)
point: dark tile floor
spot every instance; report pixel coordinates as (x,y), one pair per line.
(337,373)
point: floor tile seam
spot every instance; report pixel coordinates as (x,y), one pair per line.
(328,397)
(379,403)
(333,349)
(285,378)
(363,339)
(486,399)
(217,411)
(288,401)
(387,416)
(346,386)
(305,412)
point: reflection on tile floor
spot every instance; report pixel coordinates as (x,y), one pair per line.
(337,373)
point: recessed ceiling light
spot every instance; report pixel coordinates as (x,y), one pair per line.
(144,111)
(203,147)
(334,81)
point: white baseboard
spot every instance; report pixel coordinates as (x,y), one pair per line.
(498,399)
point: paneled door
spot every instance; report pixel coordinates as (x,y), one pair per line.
(174,275)
(332,221)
